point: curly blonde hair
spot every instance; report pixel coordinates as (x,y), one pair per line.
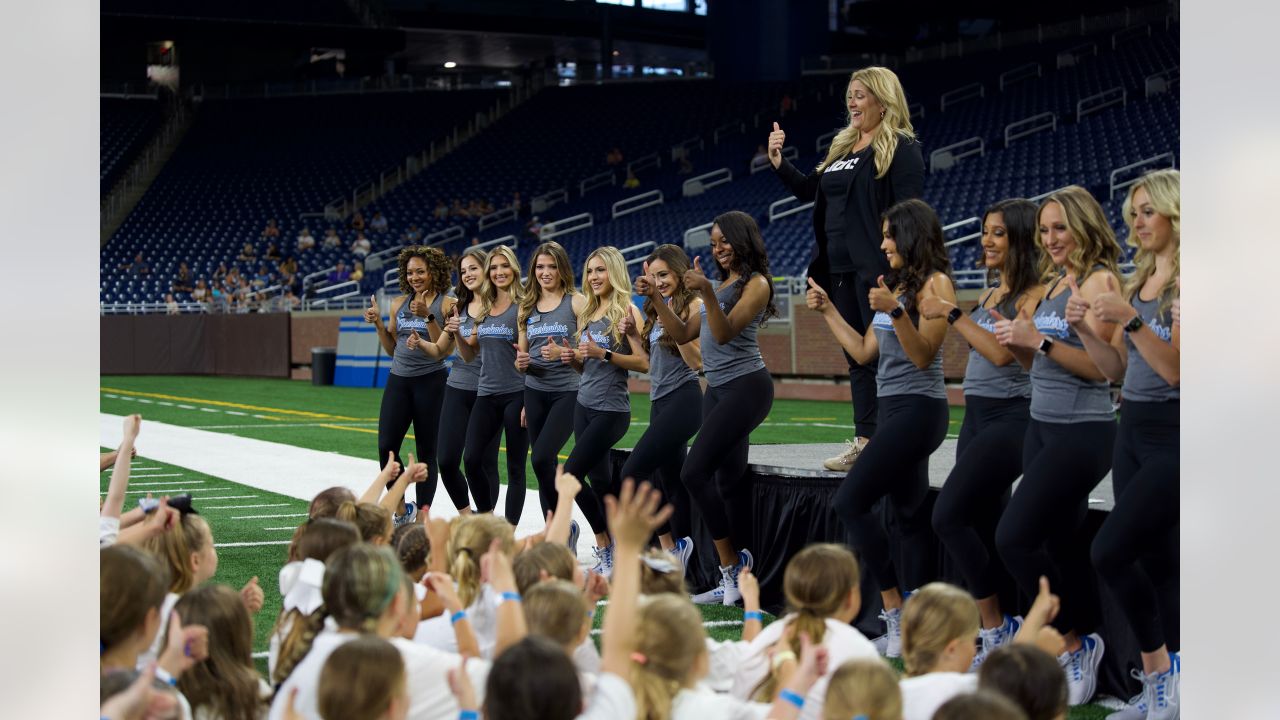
(438,269)
(887,89)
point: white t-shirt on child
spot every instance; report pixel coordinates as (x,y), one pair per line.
(437,632)
(924,694)
(611,699)
(701,703)
(843,642)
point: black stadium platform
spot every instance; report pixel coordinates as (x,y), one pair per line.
(791,502)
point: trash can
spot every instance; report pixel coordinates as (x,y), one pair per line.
(323,360)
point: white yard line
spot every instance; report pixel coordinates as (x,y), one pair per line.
(252,544)
(165,482)
(244,507)
(262,517)
(287,469)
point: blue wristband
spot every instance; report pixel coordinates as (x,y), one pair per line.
(792,698)
(513,596)
(753,615)
(460,615)
(468,715)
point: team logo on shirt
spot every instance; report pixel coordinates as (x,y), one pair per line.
(601,339)
(501,332)
(882,321)
(1053,324)
(546,330)
(1163,332)
(413,323)
(846,164)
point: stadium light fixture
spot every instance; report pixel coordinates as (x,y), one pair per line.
(450,65)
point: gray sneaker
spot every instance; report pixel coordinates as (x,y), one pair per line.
(1161,690)
(1081,668)
(893,632)
(682,552)
(1136,708)
(846,459)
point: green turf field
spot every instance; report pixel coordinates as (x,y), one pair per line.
(345,420)
(252,527)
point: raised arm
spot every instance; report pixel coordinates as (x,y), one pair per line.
(114,502)
(468,347)
(921,343)
(633,517)
(637,360)
(387,332)
(755,295)
(803,187)
(980,339)
(496,568)
(568,488)
(1163,357)
(863,348)
(388,474)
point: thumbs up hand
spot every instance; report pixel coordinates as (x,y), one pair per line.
(453,321)
(1077,306)
(776,140)
(373,314)
(252,596)
(647,284)
(414,341)
(1110,306)
(816,298)
(588,347)
(694,279)
(881,297)
(522,358)
(1018,332)
(627,325)
(419,307)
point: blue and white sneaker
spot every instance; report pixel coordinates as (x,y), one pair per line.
(992,638)
(1136,708)
(604,561)
(727,592)
(1162,691)
(409,515)
(574,533)
(1081,668)
(891,642)
(682,552)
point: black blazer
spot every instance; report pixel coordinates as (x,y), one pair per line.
(868,198)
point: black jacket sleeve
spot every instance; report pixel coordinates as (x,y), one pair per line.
(805,188)
(906,173)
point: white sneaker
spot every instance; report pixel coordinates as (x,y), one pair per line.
(683,551)
(1081,668)
(410,514)
(845,460)
(993,638)
(1162,690)
(604,562)
(893,632)
(1136,708)
(726,592)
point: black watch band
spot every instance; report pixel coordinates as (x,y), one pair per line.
(897,312)
(1134,324)
(608,356)
(1046,344)
(955,314)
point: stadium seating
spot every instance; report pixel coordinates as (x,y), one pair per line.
(126,126)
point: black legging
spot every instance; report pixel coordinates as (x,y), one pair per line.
(549,416)
(717,461)
(988,460)
(1061,464)
(849,293)
(594,434)
(415,400)
(895,465)
(1136,549)
(491,415)
(659,453)
(456,413)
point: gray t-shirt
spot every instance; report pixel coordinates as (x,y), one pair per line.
(983,378)
(667,369)
(498,374)
(562,325)
(895,373)
(1057,394)
(412,363)
(604,385)
(741,355)
(465,375)
(1141,382)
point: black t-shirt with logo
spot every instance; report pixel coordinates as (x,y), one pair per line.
(837,178)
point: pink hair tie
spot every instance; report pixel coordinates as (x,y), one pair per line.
(639,658)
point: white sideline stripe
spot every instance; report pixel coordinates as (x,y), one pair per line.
(243,507)
(260,517)
(282,425)
(707,624)
(234,412)
(287,469)
(153,474)
(290,529)
(213,410)
(167,482)
(164,402)
(143,400)
(224,497)
(175,490)
(261,655)
(252,544)
(184,407)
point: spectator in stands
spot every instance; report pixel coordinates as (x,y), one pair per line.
(288,266)
(271,231)
(331,239)
(220,273)
(361,245)
(456,210)
(378,223)
(200,293)
(357,221)
(486,207)
(262,278)
(182,281)
(534,227)
(139,266)
(516,204)
(170,305)
(613,157)
(632,182)
(339,274)
(247,254)
(272,253)
(786,106)
(474,209)
(760,153)
(306,241)
(290,301)
(684,164)
(357,273)
(414,235)
(441,212)
(475,241)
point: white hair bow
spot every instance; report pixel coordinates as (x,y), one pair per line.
(300,584)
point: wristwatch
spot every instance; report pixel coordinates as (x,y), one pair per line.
(1046,344)
(1134,323)
(955,314)
(897,312)
(608,356)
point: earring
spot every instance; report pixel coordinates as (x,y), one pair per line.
(881,114)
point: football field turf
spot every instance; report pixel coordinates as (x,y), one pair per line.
(252,526)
